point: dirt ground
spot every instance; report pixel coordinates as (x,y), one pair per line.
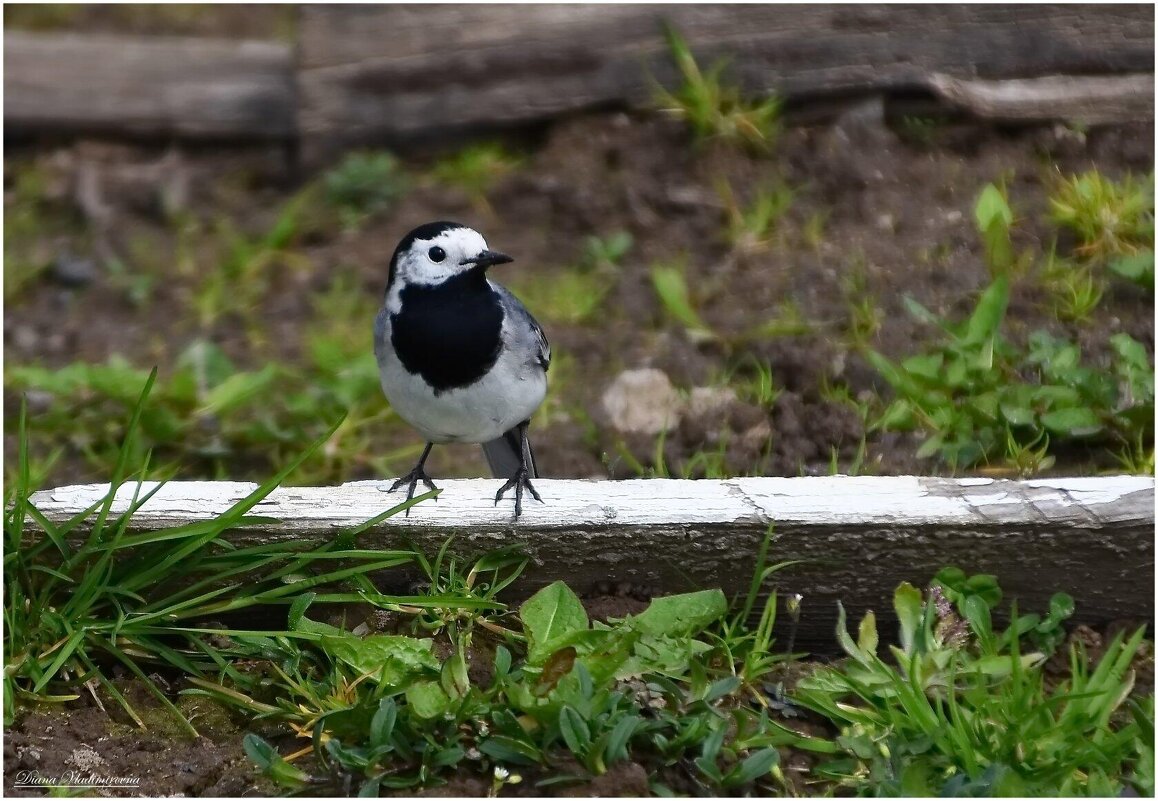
(878,213)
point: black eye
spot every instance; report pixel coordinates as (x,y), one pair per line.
(436,254)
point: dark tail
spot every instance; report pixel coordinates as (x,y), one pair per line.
(503,455)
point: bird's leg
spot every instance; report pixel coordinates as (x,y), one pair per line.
(522,477)
(414,476)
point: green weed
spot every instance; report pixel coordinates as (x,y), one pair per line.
(716,110)
(995,220)
(983,399)
(1138,268)
(961,709)
(382,712)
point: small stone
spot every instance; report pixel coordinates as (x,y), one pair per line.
(710,400)
(642,402)
(73,271)
(85,759)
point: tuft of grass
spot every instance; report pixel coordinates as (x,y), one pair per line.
(717,110)
(87,593)
(573,296)
(1076,293)
(671,287)
(233,271)
(362,185)
(751,228)
(865,317)
(475,169)
(1110,219)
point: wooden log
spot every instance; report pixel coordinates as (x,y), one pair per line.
(148,87)
(859,536)
(390,73)
(1089,100)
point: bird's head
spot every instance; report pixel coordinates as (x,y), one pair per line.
(436,251)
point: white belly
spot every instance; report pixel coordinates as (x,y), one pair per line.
(509,394)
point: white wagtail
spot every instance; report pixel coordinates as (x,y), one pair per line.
(460,358)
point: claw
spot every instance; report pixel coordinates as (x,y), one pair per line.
(519,481)
(413,477)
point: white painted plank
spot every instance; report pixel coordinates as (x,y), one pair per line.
(821,501)
(856,537)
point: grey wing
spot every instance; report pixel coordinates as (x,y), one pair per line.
(526,329)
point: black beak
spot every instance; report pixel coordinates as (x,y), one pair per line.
(488,258)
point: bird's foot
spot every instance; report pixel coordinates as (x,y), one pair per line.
(411,479)
(520,481)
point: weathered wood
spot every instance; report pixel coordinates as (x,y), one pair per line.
(393,72)
(148,87)
(1091,537)
(1090,100)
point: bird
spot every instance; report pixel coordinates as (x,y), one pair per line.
(459,357)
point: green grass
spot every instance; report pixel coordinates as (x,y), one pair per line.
(475,169)
(678,302)
(716,110)
(207,417)
(33,224)
(752,227)
(85,594)
(362,185)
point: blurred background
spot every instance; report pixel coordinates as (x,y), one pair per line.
(763,240)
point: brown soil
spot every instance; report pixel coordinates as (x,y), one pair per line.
(897,218)
(83,743)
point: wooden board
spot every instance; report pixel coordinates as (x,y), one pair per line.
(861,536)
(148,87)
(391,73)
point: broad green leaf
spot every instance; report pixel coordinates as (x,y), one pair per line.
(988,314)
(867,633)
(1075,422)
(992,207)
(427,699)
(845,639)
(505,749)
(686,614)
(550,614)
(574,729)
(382,724)
(1061,606)
(1017,415)
(393,659)
(908,603)
(756,766)
(237,390)
(926,365)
